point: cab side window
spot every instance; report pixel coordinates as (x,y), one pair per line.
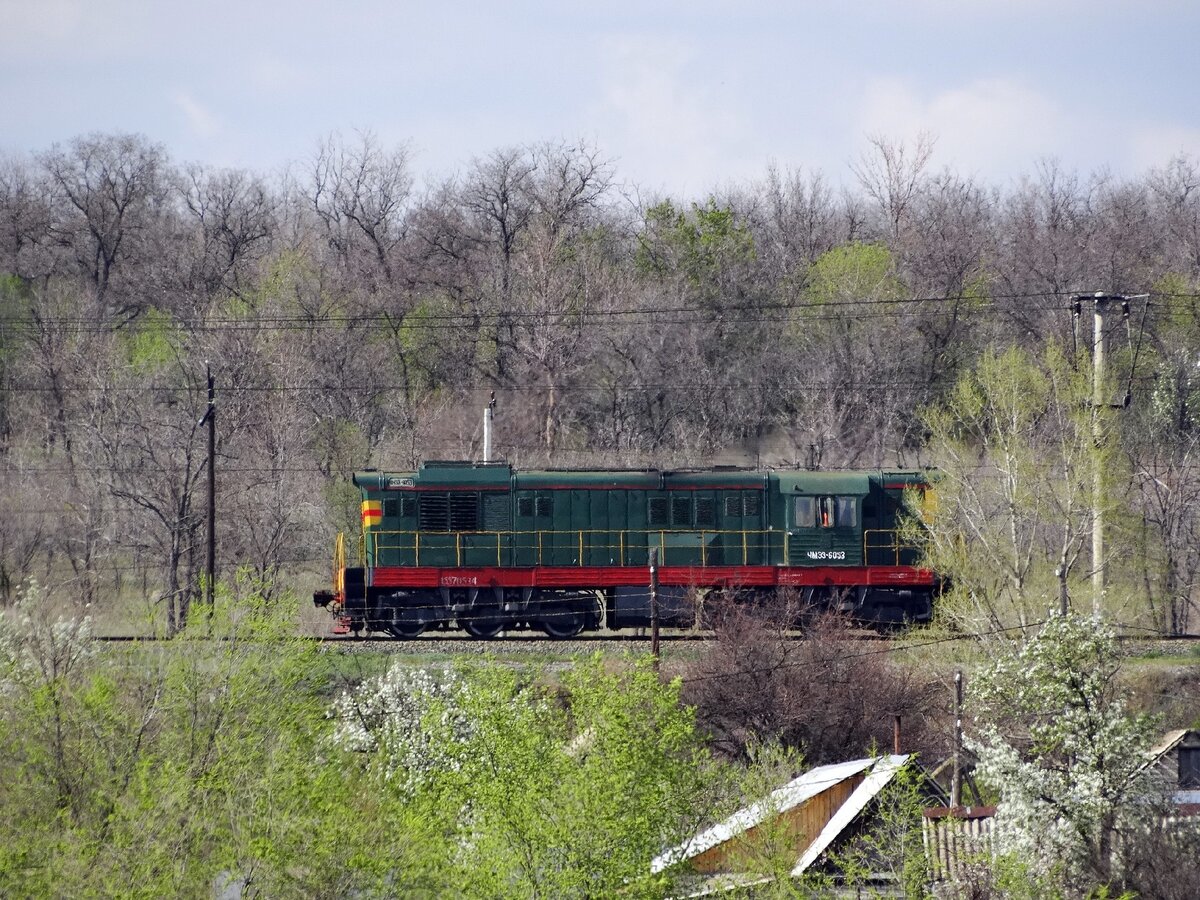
(806,512)
(826,512)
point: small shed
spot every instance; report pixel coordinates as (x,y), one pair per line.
(1177,758)
(801,821)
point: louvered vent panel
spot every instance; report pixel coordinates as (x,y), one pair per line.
(681,510)
(657,511)
(464,512)
(435,512)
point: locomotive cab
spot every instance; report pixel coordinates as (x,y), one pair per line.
(823,517)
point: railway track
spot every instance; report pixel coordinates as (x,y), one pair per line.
(435,641)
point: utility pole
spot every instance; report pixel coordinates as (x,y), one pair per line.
(956,777)
(211,415)
(1099,401)
(488,412)
(654,606)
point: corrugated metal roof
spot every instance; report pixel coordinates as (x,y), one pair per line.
(877,779)
(1169,741)
(795,792)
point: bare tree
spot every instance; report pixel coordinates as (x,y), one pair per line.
(65,359)
(111,186)
(26,526)
(25,214)
(891,173)
(1046,237)
(1168,497)
(1126,244)
(561,277)
(359,194)
(1175,190)
(234,217)
(757,684)
(794,222)
(155,453)
(496,195)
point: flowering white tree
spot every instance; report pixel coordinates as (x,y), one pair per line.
(403,717)
(1070,761)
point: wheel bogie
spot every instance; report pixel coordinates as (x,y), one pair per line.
(484,627)
(564,614)
(481,615)
(564,627)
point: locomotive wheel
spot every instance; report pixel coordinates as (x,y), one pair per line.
(563,625)
(484,627)
(406,630)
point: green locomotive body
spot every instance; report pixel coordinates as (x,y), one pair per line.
(485,547)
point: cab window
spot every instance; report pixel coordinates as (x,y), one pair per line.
(845,512)
(826,512)
(806,512)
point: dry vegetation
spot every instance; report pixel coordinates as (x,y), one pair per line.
(356,314)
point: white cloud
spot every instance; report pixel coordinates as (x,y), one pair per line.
(999,128)
(199,120)
(660,108)
(992,126)
(1155,145)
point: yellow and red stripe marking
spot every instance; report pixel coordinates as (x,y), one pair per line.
(372,513)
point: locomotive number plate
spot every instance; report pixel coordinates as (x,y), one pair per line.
(826,554)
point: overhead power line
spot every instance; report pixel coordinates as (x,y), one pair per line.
(415,319)
(472,315)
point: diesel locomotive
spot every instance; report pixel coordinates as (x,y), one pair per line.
(486,548)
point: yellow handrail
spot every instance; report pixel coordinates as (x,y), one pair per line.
(339,564)
(417,542)
(893,544)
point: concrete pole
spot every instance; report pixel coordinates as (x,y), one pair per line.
(1099,403)
(211,562)
(654,606)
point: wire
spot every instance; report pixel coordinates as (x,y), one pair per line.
(423,320)
(592,318)
(473,317)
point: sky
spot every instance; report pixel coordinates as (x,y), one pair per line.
(683,97)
